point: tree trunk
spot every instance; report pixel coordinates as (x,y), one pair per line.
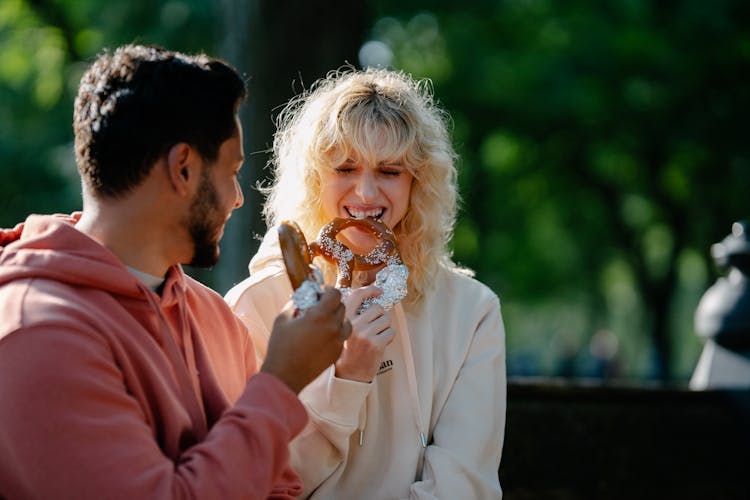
(280,47)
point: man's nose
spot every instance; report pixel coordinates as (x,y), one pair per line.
(240,200)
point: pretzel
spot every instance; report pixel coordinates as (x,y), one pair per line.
(298,255)
(331,249)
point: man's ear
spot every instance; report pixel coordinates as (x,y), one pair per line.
(183,167)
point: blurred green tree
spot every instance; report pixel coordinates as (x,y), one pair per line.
(602,144)
(603,150)
(283,47)
(44,48)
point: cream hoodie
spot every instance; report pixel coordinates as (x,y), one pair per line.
(430,425)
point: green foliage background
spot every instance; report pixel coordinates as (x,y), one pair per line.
(603,149)
(44,48)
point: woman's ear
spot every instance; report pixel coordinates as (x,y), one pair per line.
(182,168)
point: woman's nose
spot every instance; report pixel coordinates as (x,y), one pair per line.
(366,187)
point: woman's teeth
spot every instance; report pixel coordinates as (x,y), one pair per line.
(361,214)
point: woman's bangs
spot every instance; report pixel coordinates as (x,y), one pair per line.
(377,137)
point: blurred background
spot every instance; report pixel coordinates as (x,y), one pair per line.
(603,144)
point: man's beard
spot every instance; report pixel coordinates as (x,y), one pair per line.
(204,223)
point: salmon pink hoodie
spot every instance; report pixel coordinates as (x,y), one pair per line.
(108,390)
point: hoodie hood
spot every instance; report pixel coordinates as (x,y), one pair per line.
(49,246)
(269,253)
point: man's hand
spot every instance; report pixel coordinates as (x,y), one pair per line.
(301,347)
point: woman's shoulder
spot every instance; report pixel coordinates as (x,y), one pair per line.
(267,287)
(455,294)
(461,284)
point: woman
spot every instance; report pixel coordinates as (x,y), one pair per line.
(415,405)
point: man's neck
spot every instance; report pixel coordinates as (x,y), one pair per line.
(137,235)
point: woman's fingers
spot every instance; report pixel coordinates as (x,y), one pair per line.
(371,313)
(385,337)
(370,323)
(363,351)
(354,298)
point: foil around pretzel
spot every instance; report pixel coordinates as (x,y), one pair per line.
(392,280)
(308,293)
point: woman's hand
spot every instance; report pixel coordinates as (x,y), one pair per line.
(371,333)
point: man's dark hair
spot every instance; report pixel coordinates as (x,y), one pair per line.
(134,105)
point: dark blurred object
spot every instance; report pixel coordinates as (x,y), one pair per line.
(589,441)
(723,316)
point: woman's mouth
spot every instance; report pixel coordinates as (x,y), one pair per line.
(357,213)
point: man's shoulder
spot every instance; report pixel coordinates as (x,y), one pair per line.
(206,304)
(28,302)
(194,286)
(220,320)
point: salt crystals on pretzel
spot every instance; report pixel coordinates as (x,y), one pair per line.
(306,278)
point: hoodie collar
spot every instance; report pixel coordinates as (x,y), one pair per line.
(49,246)
(269,253)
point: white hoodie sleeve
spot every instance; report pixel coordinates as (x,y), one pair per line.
(334,406)
(462,458)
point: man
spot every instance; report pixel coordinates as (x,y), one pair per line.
(121,377)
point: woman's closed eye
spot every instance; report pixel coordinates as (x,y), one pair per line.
(386,169)
(391,168)
(346,167)
(395,172)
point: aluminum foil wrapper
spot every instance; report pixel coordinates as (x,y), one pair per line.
(308,293)
(392,280)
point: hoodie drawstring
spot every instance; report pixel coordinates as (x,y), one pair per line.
(411,373)
(363,422)
(411,376)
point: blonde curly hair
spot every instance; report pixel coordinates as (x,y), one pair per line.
(373,114)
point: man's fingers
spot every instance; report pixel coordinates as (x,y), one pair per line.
(288,310)
(330,298)
(346,329)
(329,304)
